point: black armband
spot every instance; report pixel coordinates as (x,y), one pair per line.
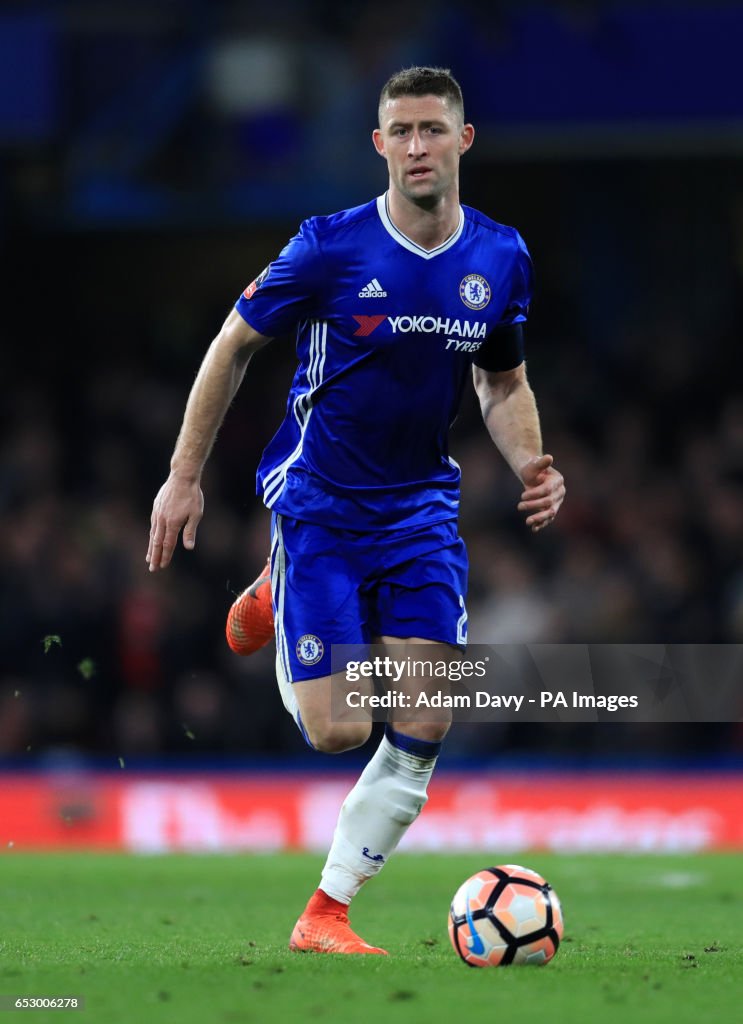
(503,349)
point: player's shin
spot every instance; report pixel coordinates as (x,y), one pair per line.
(378,811)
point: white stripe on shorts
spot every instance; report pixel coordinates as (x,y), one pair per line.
(278,588)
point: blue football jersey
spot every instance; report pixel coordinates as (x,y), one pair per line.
(386,335)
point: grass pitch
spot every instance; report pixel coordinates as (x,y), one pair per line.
(203,939)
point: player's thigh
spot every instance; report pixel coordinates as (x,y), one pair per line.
(316,585)
(316,594)
(426,675)
(332,723)
(422,587)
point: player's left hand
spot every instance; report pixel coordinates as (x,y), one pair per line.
(544,490)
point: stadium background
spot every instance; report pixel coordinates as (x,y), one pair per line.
(154,157)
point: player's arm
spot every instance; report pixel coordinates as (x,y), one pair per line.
(509,411)
(180,503)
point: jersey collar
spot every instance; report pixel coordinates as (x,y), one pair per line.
(408,243)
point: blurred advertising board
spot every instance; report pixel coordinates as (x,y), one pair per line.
(571,812)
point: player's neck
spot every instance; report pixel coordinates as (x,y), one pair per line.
(428,227)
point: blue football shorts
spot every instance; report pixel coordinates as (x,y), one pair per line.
(334,586)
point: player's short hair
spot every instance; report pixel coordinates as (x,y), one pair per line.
(421,81)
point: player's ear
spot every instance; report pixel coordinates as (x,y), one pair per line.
(378,142)
(466,138)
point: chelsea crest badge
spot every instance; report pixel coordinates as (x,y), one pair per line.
(474,291)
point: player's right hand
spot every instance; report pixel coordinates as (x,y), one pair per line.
(179,505)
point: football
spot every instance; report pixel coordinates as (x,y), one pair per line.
(505,915)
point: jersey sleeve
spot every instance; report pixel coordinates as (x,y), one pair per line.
(287,291)
(503,349)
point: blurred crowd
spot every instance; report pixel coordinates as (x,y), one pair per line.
(157,164)
(99,655)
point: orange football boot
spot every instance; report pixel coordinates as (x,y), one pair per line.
(324,928)
(250,619)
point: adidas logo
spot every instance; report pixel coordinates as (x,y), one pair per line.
(373,290)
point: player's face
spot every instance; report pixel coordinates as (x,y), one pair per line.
(422,139)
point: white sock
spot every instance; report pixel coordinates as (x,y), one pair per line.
(376,814)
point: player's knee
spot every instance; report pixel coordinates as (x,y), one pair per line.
(434,732)
(335,737)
